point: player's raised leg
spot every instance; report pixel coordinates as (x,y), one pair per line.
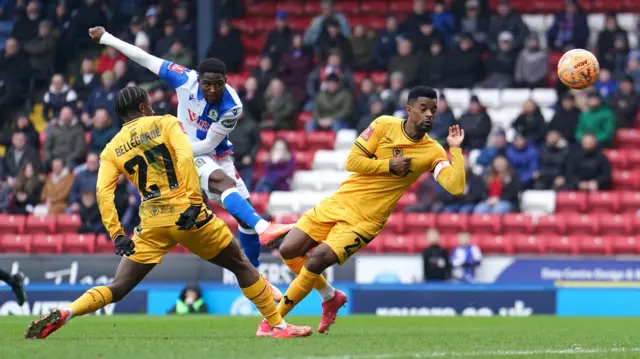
(256,289)
(128,275)
(16,283)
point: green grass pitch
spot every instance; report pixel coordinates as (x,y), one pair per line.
(355,337)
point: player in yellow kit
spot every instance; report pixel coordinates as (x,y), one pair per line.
(154,153)
(386,159)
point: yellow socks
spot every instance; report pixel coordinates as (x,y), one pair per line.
(297,291)
(259,294)
(92,300)
(296,265)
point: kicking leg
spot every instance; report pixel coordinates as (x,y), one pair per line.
(255,288)
(16,283)
(128,275)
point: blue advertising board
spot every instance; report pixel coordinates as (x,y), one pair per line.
(595,302)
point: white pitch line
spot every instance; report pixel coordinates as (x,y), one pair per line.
(577,350)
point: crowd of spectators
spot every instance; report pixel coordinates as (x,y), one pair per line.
(464,45)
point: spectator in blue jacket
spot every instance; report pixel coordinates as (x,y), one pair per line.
(85,181)
(570,29)
(498,147)
(465,259)
(523,156)
(103,96)
(444,22)
(387,44)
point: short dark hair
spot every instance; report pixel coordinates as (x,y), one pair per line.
(422,91)
(212,65)
(129,100)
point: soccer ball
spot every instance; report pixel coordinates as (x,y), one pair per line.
(578,69)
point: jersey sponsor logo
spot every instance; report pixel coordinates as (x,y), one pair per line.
(366,134)
(177,68)
(397,152)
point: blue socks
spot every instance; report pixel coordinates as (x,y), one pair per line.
(240,207)
(250,244)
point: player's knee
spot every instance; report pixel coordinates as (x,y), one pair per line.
(321,258)
(220,182)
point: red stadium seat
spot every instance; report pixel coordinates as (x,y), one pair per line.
(395,243)
(485,223)
(347,8)
(419,222)
(260,201)
(237,80)
(419,241)
(286,218)
(400,7)
(250,63)
(526,244)
(375,246)
(304,159)
(618,158)
(603,202)
(104,244)
(571,202)
(448,241)
(243,25)
(295,139)
(550,224)
(40,224)
(562,244)
(633,158)
(312,8)
(253,45)
(408,199)
(290,7)
(261,9)
(87,138)
(629,201)
(373,8)
(581,224)
(489,243)
(374,23)
(452,222)
(627,137)
(229,220)
(46,243)
(516,223)
(320,140)
(267,138)
(302,119)
(299,24)
(379,78)
(624,244)
(395,223)
(614,224)
(261,159)
(10,223)
(79,243)
(68,223)
(625,180)
(594,245)
(15,243)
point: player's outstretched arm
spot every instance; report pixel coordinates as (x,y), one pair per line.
(451,175)
(178,140)
(217,132)
(154,64)
(105,194)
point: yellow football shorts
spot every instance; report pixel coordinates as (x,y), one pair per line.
(330,223)
(151,244)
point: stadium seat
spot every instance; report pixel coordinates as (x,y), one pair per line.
(260,201)
(375,246)
(516,223)
(603,202)
(104,244)
(286,218)
(252,44)
(395,243)
(267,138)
(46,243)
(617,157)
(330,180)
(624,244)
(395,223)
(526,244)
(379,78)
(536,23)
(609,223)
(15,243)
(633,158)
(488,97)
(68,223)
(304,159)
(595,22)
(330,160)
(571,202)
(310,199)
(625,180)
(593,245)
(299,24)
(292,8)
(312,8)
(549,224)
(545,97)
(79,243)
(485,223)
(514,97)
(250,63)
(283,202)
(261,9)
(348,7)
(400,7)
(295,139)
(538,202)
(237,80)
(458,98)
(627,137)
(491,244)
(10,223)
(452,222)
(371,22)
(627,21)
(40,224)
(374,8)
(629,201)
(345,139)
(580,224)
(419,241)
(408,199)
(320,140)
(561,245)
(419,222)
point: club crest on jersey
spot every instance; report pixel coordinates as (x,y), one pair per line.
(397,152)
(199,162)
(213,115)
(177,68)
(366,134)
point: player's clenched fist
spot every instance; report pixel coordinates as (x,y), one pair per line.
(400,165)
(124,245)
(96,33)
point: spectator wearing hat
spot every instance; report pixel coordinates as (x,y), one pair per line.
(507,20)
(532,64)
(185,26)
(464,65)
(565,120)
(362,43)
(530,123)
(587,168)
(553,158)
(498,147)
(227,46)
(166,40)
(42,49)
(405,62)
(333,39)
(608,35)
(476,124)
(318,24)
(332,107)
(570,29)
(598,120)
(152,26)
(425,36)
(387,43)
(443,21)
(411,25)
(444,119)
(433,65)
(625,103)
(474,24)
(279,39)
(295,66)
(523,156)
(615,58)
(179,54)
(26,28)
(501,64)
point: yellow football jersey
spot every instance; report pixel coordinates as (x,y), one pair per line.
(371,193)
(154,153)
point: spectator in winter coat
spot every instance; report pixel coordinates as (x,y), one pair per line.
(443,21)
(91,220)
(503,188)
(102,132)
(605,85)
(532,64)
(553,157)
(435,259)
(280,106)
(334,65)
(363,98)
(87,80)
(387,43)
(56,188)
(501,64)
(332,108)
(19,155)
(246,143)
(616,58)
(395,97)
(599,120)
(570,29)
(428,201)
(295,66)
(24,125)
(26,28)
(433,65)
(362,43)
(103,96)
(318,24)
(498,148)
(58,96)
(42,49)
(15,72)
(65,140)
(509,21)
(411,25)
(252,100)
(607,36)
(164,43)
(530,123)
(475,24)
(625,103)
(264,73)
(85,181)
(587,169)
(27,189)
(406,62)
(376,109)
(279,169)
(333,39)
(426,35)
(476,125)
(185,26)
(444,119)
(179,54)
(464,66)
(565,120)
(523,156)
(279,39)
(227,46)
(633,68)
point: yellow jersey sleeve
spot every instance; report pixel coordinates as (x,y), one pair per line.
(105,193)
(178,140)
(450,175)
(362,158)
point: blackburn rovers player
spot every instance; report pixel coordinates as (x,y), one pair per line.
(154,153)
(389,156)
(208,108)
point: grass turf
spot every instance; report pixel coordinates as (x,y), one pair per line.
(355,337)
